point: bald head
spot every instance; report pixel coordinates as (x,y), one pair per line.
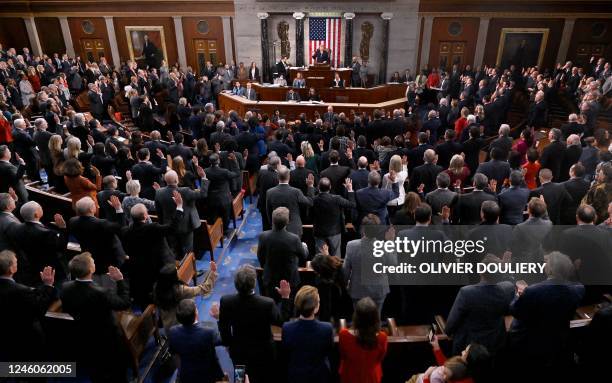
(85,207)
(429,156)
(139,212)
(171,178)
(300,162)
(545,175)
(573,139)
(362,162)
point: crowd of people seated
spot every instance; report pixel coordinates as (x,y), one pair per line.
(419,168)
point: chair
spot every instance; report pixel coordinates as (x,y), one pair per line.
(237,207)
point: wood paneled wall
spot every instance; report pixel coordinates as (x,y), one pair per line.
(582,37)
(555,27)
(169,34)
(50,35)
(13,33)
(99,32)
(215,32)
(440,33)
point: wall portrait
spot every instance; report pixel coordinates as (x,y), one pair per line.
(522,47)
(147,45)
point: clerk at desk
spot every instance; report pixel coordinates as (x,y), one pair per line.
(337,82)
(321,56)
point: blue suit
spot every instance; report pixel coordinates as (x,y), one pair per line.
(308,345)
(321,57)
(238,91)
(372,200)
(512,202)
(195,345)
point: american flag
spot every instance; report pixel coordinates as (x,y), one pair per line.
(328,31)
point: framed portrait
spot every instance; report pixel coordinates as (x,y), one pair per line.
(147,45)
(522,47)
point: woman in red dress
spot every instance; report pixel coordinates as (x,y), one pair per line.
(361,354)
(34,79)
(461,123)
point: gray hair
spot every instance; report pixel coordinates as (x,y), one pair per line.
(471,118)
(374,178)
(138,212)
(132,187)
(280,217)
(244,279)
(28,210)
(171,177)
(79,119)
(79,265)
(429,156)
(504,129)
(283,173)
(40,123)
(85,206)
(220,125)
(5,201)
(559,266)
(18,123)
(7,259)
(273,162)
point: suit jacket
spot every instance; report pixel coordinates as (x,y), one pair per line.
(245,326)
(577,189)
(267,179)
(478,315)
(354,268)
(512,202)
(195,346)
(10,176)
(467,209)
(238,91)
(557,199)
(591,244)
(321,57)
(437,199)
(146,173)
(95,104)
(529,239)
(250,94)
(495,170)
(328,213)
(359,178)
(7,222)
(23,308)
(337,174)
(446,151)
(219,188)
(298,179)
(425,174)
(291,198)
(308,344)
(372,200)
(570,157)
(166,208)
(280,252)
(502,143)
(571,128)
(101,238)
(295,96)
(552,157)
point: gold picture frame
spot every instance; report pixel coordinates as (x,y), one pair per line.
(156,35)
(540,34)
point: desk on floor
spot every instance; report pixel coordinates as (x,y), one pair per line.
(373,95)
(320,76)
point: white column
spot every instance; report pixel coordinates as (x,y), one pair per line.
(112,39)
(426,42)
(30,25)
(227,38)
(180,41)
(483,29)
(67,36)
(566,36)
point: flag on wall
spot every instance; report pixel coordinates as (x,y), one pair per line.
(328,31)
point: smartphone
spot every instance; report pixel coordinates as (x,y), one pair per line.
(239,373)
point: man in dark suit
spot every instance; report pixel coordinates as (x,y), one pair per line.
(281,67)
(447,149)
(25,147)
(425,174)
(336,173)
(290,198)
(513,200)
(328,216)
(416,154)
(23,309)
(577,187)
(479,310)
(293,96)
(280,253)
(250,93)
(245,321)
(146,173)
(96,103)
(440,197)
(572,127)
(11,175)
(355,66)
(179,148)
(146,243)
(503,142)
(107,211)
(92,308)
(165,207)
(542,313)
(467,208)
(555,195)
(219,194)
(337,82)
(373,200)
(321,55)
(267,179)
(553,154)
(194,345)
(497,168)
(41,139)
(571,156)
(300,174)
(100,237)
(7,220)
(359,177)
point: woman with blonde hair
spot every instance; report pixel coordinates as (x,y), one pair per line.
(400,168)
(56,178)
(73,148)
(26,89)
(312,159)
(457,171)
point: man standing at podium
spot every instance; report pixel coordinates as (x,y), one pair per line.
(321,56)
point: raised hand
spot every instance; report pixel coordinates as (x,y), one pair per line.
(392,176)
(421,188)
(159,153)
(13,195)
(445,213)
(404,160)
(217,148)
(348,184)
(289,157)
(128,175)
(376,165)
(214,310)
(156,186)
(177,198)
(114,273)
(201,172)
(114,202)
(284,289)
(48,275)
(349,153)
(310,180)
(325,249)
(59,221)
(213,266)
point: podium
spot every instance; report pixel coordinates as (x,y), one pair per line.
(320,75)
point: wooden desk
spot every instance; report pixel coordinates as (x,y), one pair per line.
(291,110)
(320,76)
(373,95)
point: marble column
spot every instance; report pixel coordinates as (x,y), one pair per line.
(566,36)
(30,25)
(299,38)
(67,36)
(265,47)
(180,42)
(227,38)
(348,39)
(382,73)
(426,42)
(483,30)
(112,40)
